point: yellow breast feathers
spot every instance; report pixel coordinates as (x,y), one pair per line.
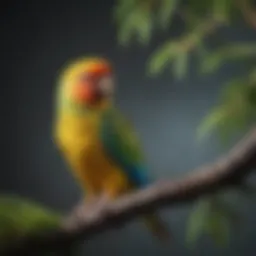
(78,139)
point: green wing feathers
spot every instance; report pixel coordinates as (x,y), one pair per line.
(123,146)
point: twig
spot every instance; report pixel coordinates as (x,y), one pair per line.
(248,11)
(228,171)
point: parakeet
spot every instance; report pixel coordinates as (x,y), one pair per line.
(97,141)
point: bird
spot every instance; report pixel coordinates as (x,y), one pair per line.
(97,141)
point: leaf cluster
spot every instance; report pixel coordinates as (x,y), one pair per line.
(142,20)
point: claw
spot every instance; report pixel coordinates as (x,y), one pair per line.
(86,210)
(102,201)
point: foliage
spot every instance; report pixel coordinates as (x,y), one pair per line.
(236,110)
(212,216)
(20,217)
(142,20)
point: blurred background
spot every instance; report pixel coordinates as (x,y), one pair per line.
(37,39)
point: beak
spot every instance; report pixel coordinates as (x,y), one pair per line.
(106,86)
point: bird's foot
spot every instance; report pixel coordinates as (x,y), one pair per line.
(87,209)
(101,202)
(90,201)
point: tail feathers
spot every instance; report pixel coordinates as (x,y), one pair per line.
(157,227)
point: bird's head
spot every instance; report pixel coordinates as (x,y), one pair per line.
(88,81)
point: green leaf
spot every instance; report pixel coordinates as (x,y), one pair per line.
(196,222)
(241,50)
(145,28)
(227,120)
(125,32)
(235,112)
(230,52)
(221,218)
(177,51)
(252,77)
(231,89)
(122,9)
(222,10)
(210,122)
(212,216)
(19,217)
(181,65)
(217,227)
(212,62)
(166,11)
(223,205)
(163,56)
(134,20)
(137,24)
(195,36)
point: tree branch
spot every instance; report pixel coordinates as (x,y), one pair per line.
(248,11)
(228,171)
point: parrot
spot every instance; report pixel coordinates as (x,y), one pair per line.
(95,139)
